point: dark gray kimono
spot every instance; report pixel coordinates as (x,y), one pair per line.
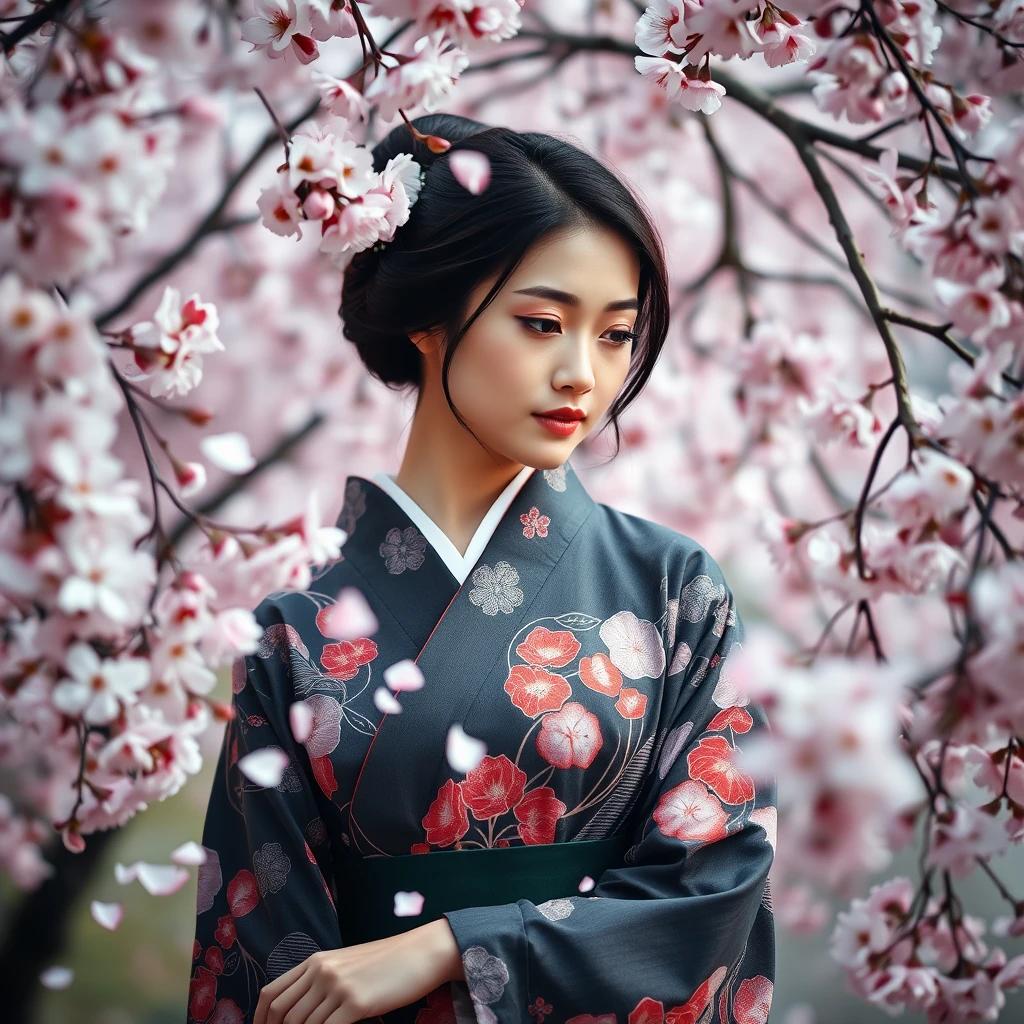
(589,650)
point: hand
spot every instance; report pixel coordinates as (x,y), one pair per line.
(340,986)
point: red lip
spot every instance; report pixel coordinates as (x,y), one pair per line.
(565,412)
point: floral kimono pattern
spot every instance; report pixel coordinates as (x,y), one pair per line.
(589,650)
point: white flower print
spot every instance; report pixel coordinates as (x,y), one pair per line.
(209,880)
(271,865)
(486,975)
(556,909)
(680,658)
(634,645)
(697,596)
(403,549)
(496,589)
(555,478)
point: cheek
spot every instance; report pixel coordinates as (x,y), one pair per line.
(496,368)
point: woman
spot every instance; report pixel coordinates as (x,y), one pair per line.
(586,648)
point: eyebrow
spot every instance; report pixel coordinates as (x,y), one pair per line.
(568,299)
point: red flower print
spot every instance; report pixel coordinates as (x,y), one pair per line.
(534,523)
(712,761)
(539,1009)
(698,1002)
(446,820)
(534,691)
(590,1018)
(214,959)
(548,647)
(752,1000)
(689,811)
(600,673)
(420,848)
(202,994)
(227,1012)
(647,1011)
(538,812)
(570,737)
(196,949)
(493,787)
(323,772)
(225,933)
(238,675)
(344,659)
(736,718)
(242,893)
(631,703)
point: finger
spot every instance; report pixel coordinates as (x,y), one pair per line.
(312,999)
(322,1012)
(272,989)
(280,1004)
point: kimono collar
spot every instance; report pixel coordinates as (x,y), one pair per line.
(458,563)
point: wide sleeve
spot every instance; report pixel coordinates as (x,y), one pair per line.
(263,902)
(685,924)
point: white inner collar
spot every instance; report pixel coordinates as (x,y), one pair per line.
(459,564)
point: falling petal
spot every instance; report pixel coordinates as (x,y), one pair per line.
(264,767)
(404,675)
(189,854)
(586,884)
(56,977)
(161,879)
(107,915)
(384,701)
(300,715)
(464,752)
(124,875)
(349,617)
(472,170)
(229,452)
(408,904)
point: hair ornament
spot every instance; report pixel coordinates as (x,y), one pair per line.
(327,180)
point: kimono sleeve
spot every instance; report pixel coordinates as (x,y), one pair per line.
(683,931)
(263,903)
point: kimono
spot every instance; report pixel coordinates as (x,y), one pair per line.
(589,650)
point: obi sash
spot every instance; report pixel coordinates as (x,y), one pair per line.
(455,879)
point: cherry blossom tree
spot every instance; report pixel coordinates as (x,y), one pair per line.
(840,186)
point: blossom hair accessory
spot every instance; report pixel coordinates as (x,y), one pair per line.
(328,178)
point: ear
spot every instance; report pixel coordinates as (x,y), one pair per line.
(427,341)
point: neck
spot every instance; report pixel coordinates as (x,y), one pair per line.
(450,476)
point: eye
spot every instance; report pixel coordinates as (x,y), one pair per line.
(625,336)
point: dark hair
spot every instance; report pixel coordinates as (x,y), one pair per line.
(453,240)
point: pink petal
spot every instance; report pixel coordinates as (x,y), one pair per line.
(350,616)
(464,752)
(408,904)
(107,915)
(404,675)
(161,879)
(384,702)
(264,767)
(56,977)
(300,716)
(189,854)
(472,170)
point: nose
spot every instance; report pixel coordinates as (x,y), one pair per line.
(575,368)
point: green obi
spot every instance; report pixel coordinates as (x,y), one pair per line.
(455,879)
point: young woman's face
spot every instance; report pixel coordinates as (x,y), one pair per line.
(558,334)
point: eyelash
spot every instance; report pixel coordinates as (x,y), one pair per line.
(630,335)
